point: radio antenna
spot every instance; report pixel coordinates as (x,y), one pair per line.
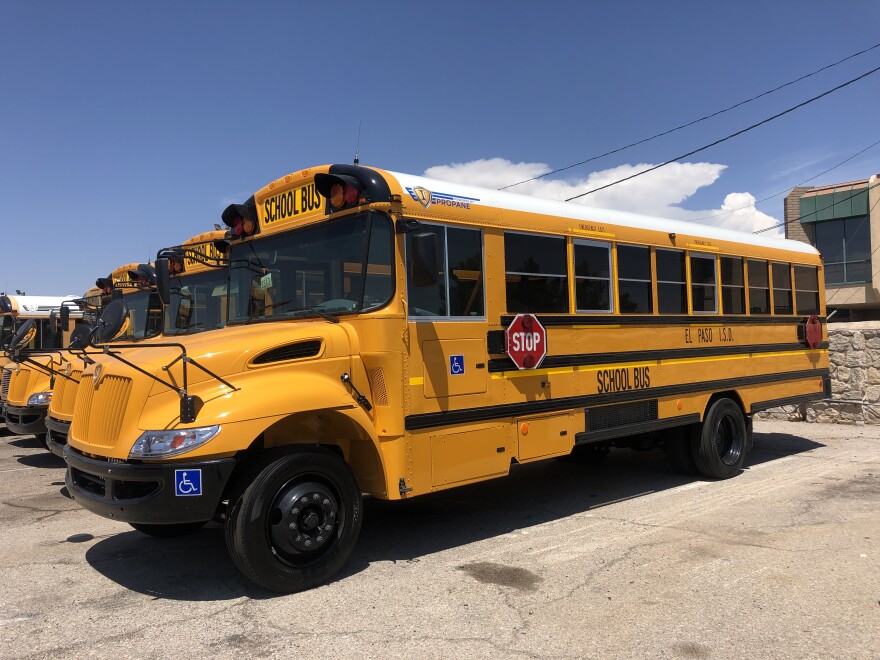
(357,148)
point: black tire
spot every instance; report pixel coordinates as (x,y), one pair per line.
(678,447)
(589,454)
(719,446)
(295,525)
(168,531)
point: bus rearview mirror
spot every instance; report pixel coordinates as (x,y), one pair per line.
(64,315)
(163,281)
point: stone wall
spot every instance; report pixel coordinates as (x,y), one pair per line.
(854,354)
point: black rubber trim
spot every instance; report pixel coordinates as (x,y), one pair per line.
(453,417)
(758,406)
(554,361)
(633,429)
(649,319)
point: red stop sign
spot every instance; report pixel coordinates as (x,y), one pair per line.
(526,341)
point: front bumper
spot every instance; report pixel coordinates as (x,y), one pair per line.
(144,492)
(56,435)
(27,420)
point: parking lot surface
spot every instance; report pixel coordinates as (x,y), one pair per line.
(557,560)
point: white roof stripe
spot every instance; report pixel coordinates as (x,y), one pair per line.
(526,203)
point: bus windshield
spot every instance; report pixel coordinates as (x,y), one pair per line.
(342,266)
(197,302)
(145,312)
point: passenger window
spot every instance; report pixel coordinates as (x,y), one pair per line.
(806,284)
(759,287)
(782,289)
(733,295)
(536,273)
(671,282)
(458,292)
(634,280)
(703,292)
(592,276)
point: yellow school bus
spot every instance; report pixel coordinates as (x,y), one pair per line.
(394,335)
(27,365)
(41,373)
(198,270)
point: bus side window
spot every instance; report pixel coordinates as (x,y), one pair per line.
(782,289)
(759,287)
(671,282)
(733,295)
(703,289)
(536,273)
(458,292)
(806,284)
(634,279)
(592,276)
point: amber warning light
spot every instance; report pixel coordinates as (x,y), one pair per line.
(241,220)
(340,190)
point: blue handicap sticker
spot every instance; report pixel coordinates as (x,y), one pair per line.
(187,482)
(456,365)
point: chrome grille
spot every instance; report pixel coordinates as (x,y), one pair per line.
(99,410)
(4,384)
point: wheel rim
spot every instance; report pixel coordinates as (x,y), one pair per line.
(728,440)
(304,521)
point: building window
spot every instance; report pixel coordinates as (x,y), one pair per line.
(733,293)
(845,246)
(782,289)
(703,292)
(592,276)
(458,291)
(671,282)
(634,280)
(759,287)
(536,273)
(806,284)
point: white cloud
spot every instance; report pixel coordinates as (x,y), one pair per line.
(657,193)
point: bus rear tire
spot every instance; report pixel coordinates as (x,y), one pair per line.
(720,442)
(168,531)
(295,525)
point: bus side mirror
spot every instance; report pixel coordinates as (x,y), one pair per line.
(163,281)
(64,315)
(423,259)
(113,322)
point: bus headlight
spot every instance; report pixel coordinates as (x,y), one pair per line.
(41,399)
(153,444)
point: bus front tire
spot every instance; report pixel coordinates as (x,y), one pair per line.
(295,525)
(719,443)
(168,531)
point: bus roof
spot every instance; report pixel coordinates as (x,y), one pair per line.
(33,307)
(446,193)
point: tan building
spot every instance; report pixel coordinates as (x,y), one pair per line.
(843,222)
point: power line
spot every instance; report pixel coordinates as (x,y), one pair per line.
(755,203)
(729,137)
(695,121)
(824,208)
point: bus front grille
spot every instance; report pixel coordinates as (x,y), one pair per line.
(4,384)
(64,394)
(18,387)
(99,410)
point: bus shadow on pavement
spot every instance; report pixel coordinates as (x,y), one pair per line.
(197,567)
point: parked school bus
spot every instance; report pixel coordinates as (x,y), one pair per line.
(27,370)
(395,335)
(198,271)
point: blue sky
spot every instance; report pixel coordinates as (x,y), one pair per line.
(126,127)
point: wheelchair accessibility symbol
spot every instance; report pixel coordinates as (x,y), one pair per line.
(187,482)
(456,365)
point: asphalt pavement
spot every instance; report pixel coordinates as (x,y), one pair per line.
(558,560)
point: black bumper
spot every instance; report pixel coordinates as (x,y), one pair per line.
(144,492)
(56,435)
(27,420)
